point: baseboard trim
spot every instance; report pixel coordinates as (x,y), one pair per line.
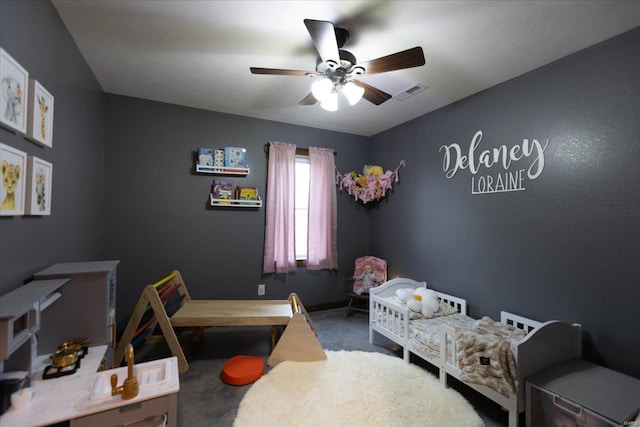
(327,305)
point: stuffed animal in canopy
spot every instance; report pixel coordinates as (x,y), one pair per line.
(420,300)
(372,170)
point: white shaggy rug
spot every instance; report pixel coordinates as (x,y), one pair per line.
(352,388)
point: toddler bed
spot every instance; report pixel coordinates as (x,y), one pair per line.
(492,358)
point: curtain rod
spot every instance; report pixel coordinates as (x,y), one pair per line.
(299,151)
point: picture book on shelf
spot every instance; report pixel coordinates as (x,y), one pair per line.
(222,189)
(235,157)
(205,156)
(218,158)
(247,193)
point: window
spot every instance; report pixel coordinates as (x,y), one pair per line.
(300,228)
(301,203)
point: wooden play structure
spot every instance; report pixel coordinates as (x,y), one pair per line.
(298,342)
(166,312)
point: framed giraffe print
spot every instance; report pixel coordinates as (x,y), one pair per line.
(13,165)
(40,117)
(39,180)
(15,85)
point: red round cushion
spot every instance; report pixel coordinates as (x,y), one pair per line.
(241,370)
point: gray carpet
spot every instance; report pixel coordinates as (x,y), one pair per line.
(204,400)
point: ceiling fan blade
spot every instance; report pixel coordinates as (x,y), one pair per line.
(409,58)
(308,100)
(372,94)
(323,35)
(279,72)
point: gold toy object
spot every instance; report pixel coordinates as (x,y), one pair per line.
(130,388)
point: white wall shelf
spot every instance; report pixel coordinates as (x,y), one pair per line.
(229,203)
(236,203)
(220,170)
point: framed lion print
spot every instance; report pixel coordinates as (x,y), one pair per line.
(39,184)
(13,165)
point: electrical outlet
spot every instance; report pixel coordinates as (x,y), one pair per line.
(261,289)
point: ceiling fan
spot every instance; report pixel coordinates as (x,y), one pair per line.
(338,69)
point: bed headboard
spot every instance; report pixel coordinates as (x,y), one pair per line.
(551,342)
(389,288)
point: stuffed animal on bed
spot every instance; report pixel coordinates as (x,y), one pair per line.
(420,300)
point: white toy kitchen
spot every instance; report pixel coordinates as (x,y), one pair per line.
(57,337)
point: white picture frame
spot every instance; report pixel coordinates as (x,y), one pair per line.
(40,116)
(39,185)
(14,94)
(13,168)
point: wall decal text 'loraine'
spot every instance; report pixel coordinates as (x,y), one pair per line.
(454,160)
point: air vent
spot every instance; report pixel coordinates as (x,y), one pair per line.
(410,91)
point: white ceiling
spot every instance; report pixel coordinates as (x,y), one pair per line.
(198,53)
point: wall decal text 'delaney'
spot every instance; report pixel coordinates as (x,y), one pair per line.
(477,161)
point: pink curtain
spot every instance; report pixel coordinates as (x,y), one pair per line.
(323,216)
(279,241)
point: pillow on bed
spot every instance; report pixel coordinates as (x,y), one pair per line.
(444,310)
(404,294)
(394,300)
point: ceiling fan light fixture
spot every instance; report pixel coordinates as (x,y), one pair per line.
(336,67)
(330,102)
(352,92)
(357,70)
(321,89)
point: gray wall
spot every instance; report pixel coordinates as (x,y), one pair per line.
(565,248)
(157,216)
(33,34)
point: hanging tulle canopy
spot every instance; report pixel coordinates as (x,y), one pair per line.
(371,185)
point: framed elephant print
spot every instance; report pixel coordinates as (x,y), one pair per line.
(40,117)
(39,184)
(15,88)
(13,165)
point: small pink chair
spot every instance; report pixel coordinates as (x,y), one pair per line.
(369,272)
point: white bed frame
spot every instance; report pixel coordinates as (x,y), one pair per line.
(545,343)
